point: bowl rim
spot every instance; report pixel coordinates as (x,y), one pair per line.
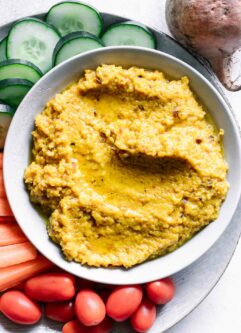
(61,262)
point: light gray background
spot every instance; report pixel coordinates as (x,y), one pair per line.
(221,311)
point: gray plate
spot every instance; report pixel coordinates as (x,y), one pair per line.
(195,282)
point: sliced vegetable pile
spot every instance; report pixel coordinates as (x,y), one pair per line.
(81,305)
(33,46)
(19,260)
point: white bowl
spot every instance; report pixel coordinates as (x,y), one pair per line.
(18,146)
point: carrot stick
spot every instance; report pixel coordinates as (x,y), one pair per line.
(2,188)
(16,254)
(7,219)
(5,209)
(1,160)
(13,275)
(10,233)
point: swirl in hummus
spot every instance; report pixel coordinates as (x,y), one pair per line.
(126,166)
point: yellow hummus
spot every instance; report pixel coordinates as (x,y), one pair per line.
(126,165)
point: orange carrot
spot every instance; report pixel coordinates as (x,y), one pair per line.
(2,188)
(7,219)
(16,254)
(1,160)
(10,233)
(5,209)
(13,275)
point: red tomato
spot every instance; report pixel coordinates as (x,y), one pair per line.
(51,287)
(74,326)
(89,307)
(144,316)
(161,292)
(16,306)
(60,311)
(123,302)
(104,327)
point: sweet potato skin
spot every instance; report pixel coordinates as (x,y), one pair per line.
(210,27)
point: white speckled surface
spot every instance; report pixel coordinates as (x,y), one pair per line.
(220,312)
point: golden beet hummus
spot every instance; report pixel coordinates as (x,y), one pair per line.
(126,165)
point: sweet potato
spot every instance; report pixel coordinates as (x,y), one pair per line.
(211,28)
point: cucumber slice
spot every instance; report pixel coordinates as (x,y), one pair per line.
(129,33)
(75,43)
(6,114)
(12,91)
(20,69)
(69,17)
(32,40)
(3,49)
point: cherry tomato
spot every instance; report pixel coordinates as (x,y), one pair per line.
(60,311)
(89,307)
(144,316)
(104,327)
(161,292)
(51,287)
(74,326)
(123,302)
(16,306)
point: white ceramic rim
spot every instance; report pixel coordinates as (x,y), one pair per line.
(182,257)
